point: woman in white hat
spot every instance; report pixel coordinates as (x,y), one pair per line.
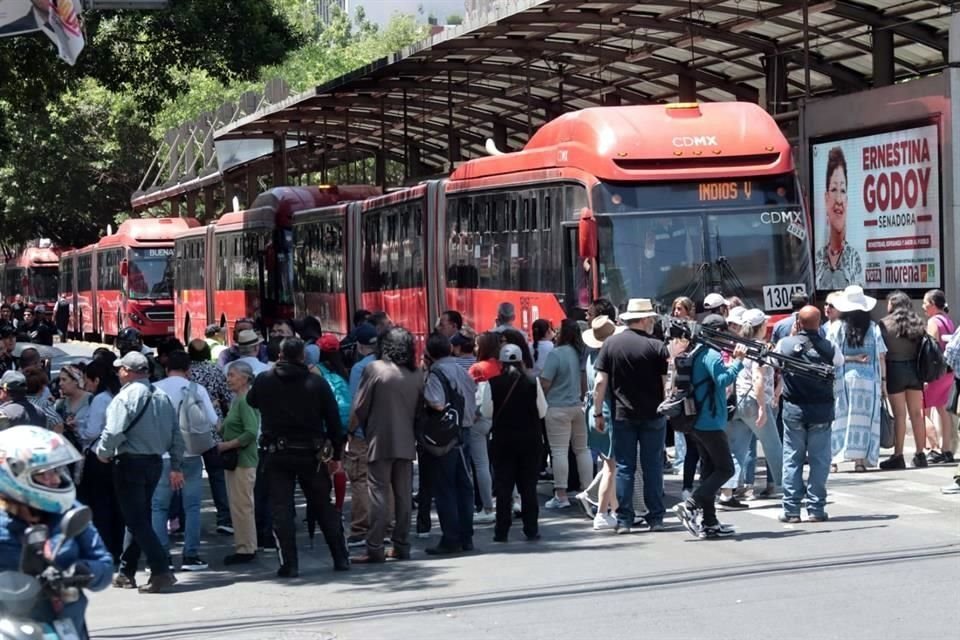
(600,329)
(860,381)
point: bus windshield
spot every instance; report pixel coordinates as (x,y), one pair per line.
(150,275)
(747,238)
(43,283)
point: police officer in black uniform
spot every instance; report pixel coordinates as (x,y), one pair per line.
(130,339)
(302,440)
(43,329)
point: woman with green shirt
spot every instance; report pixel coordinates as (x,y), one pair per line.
(240,429)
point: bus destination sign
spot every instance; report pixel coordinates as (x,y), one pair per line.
(734,190)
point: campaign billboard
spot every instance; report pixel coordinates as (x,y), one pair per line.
(876,208)
(57,19)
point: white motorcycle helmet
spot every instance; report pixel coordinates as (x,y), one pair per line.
(27,451)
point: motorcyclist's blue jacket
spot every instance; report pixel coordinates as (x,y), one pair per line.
(87,548)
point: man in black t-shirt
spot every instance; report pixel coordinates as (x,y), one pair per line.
(633,364)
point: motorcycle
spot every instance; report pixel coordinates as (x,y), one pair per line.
(20,591)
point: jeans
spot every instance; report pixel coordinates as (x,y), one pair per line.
(804,440)
(192,493)
(738,438)
(218,487)
(679,452)
(772,449)
(649,435)
(453,493)
(134,478)
(716,466)
(480,454)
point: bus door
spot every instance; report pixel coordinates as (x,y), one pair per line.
(577,276)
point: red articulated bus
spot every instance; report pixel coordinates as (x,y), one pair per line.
(33,273)
(241,266)
(126,279)
(622,202)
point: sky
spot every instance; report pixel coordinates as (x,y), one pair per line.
(379,11)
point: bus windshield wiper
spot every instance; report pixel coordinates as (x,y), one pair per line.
(699,281)
(729,276)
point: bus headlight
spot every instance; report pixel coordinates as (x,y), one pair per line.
(136,317)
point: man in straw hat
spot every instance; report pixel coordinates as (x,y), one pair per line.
(633,364)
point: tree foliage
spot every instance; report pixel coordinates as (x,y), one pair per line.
(76,141)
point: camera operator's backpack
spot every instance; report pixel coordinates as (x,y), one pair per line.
(679,407)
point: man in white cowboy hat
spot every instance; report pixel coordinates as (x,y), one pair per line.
(633,364)
(248,347)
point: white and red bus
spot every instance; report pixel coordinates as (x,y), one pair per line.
(33,273)
(125,279)
(621,202)
(241,265)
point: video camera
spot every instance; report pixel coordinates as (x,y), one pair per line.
(760,352)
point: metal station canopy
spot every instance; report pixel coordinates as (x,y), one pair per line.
(516,64)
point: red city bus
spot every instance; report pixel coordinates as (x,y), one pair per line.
(241,265)
(33,273)
(640,201)
(126,279)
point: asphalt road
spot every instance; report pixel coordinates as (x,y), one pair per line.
(885,565)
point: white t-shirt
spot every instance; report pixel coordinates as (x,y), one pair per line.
(175,387)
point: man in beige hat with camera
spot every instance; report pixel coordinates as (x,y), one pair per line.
(633,364)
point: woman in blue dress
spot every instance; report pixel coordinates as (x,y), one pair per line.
(859,383)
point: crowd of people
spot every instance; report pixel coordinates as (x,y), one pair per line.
(485,417)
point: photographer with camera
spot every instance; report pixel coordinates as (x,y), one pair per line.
(710,379)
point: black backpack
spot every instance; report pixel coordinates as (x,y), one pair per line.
(931,364)
(439,431)
(679,408)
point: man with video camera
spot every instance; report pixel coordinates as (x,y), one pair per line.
(710,378)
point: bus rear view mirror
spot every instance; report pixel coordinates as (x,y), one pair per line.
(587,234)
(124,268)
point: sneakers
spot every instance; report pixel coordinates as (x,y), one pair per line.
(919,460)
(689,516)
(731,504)
(744,493)
(604,522)
(947,457)
(517,509)
(716,531)
(623,529)
(484,517)
(555,503)
(356,541)
(951,489)
(194,564)
(287,571)
(817,517)
(586,504)
(893,463)
(225,530)
(769,492)
(789,519)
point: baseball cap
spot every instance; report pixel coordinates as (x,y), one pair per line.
(714,301)
(714,321)
(510,353)
(13,381)
(366,334)
(133,361)
(328,342)
(736,315)
(754,317)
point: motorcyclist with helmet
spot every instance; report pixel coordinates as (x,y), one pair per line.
(35,488)
(130,339)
